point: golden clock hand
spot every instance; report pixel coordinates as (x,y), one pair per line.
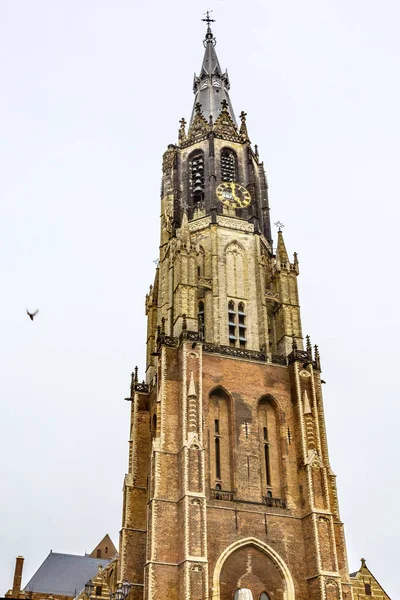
(235,197)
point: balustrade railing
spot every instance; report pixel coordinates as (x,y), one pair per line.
(222,495)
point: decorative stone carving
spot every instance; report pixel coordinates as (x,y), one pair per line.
(168,159)
(238,224)
(200,224)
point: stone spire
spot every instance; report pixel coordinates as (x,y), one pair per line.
(211,86)
(281,252)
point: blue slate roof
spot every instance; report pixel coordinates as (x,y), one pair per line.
(64,574)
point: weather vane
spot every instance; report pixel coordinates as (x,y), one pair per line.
(279,225)
(208,19)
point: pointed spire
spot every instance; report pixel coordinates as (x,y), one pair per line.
(309,347)
(243,127)
(281,251)
(182,131)
(212,85)
(185,232)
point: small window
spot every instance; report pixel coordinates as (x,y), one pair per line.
(218,487)
(269,494)
(264,596)
(106,550)
(98,590)
(367,587)
(265,434)
(154,426)
(200,318)
(216,425)
(98,553)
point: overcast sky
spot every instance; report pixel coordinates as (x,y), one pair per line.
(91,94)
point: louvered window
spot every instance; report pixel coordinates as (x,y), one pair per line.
(228,165)
(196,177)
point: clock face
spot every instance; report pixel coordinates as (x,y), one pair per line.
(233,194)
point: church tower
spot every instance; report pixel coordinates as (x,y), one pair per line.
(230,493)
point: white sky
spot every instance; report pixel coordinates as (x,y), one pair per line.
(92,92)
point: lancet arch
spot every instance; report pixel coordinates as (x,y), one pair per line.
(274,568)
(235,270)
(220,439)
(270,446)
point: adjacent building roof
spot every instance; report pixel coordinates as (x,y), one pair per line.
(105,549)
(64,574)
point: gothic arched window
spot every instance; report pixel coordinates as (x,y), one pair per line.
(228,165)
(232,323)
(220,438)
(264,596)
(196,177)
(270,456)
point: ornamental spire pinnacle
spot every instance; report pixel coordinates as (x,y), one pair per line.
(211,85)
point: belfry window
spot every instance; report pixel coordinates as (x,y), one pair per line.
(242,326)
(228,165)
(232,323)
(236,324)
(196,178)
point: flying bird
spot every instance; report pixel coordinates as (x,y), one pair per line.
(32,315)
(322,381)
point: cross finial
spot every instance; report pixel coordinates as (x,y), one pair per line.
(224,104)
(279,225)
(208,19)
(156,262)
(243,116)
(198,108)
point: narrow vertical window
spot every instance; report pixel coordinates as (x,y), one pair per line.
(98,553)
(196,178)
(367,587)
(228,165)
(216,425)
(242,325)
(232,323)
(200,317)
(217,458)
(267,465)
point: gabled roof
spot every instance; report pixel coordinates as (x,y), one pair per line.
(64,574)
(106,548)
(364,576)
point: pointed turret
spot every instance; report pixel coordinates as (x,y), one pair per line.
(212,85)
(281,252)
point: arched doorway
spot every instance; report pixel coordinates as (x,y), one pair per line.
(252,564)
